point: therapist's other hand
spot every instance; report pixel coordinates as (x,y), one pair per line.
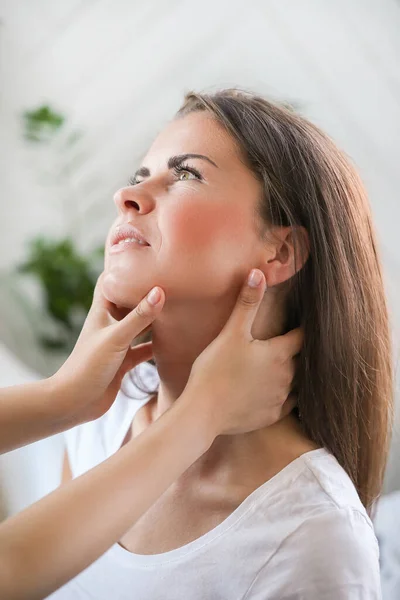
(86,385)
(244,383)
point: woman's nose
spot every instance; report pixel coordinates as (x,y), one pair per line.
(127,199)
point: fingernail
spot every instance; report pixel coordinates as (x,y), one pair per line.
(255,278)
(154,296)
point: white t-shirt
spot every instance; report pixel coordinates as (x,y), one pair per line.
(302,535)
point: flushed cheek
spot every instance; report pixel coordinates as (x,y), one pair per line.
(202,228)
(208,250)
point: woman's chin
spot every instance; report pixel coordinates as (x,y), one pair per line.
(119,292)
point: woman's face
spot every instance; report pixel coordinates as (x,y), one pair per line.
(201,229)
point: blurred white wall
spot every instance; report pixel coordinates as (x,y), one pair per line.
(118,70)
(27,473)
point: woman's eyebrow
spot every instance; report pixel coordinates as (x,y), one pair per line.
(174,161)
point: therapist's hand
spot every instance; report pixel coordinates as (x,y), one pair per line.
(86,385)
(239,383)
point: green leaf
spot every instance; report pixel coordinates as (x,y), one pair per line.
(67,279)
(41,124)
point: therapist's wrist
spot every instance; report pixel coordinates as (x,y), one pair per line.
(195,411)
(61,402)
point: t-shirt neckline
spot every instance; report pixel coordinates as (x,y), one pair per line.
(128,558)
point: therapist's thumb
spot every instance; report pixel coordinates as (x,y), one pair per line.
(139,318)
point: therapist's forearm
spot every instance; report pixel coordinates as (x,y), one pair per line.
(30,412)
(53,540)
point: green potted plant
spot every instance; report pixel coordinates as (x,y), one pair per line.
(65,276)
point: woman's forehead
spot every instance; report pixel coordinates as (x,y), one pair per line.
(197,133)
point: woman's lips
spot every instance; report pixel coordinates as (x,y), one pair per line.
(123,246)
(127,231)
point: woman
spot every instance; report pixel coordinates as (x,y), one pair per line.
(103,503)
(235,181)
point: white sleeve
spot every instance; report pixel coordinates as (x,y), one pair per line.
(331,556)
(85,446)
(70,446)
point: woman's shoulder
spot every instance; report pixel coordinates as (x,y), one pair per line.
(325,542)
(313,479)
(334,485)
(331,554)
(314,496)
(322,486)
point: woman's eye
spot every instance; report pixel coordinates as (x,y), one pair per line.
(186,170)
(186,173)
(179,171)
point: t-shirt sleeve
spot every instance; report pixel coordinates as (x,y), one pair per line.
(332,556)
(70,438)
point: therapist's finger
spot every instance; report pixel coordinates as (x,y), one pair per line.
(137,320)
(288,345)
(137,355)
(248,302)
(117,312)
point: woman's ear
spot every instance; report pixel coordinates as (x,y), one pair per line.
(287,253)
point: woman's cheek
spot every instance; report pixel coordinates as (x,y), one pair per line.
(198,228)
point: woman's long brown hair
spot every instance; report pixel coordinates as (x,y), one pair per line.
(345,379)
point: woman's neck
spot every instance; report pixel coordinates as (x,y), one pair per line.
(250,458)
(245,460)
(183,331)
(176,344)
